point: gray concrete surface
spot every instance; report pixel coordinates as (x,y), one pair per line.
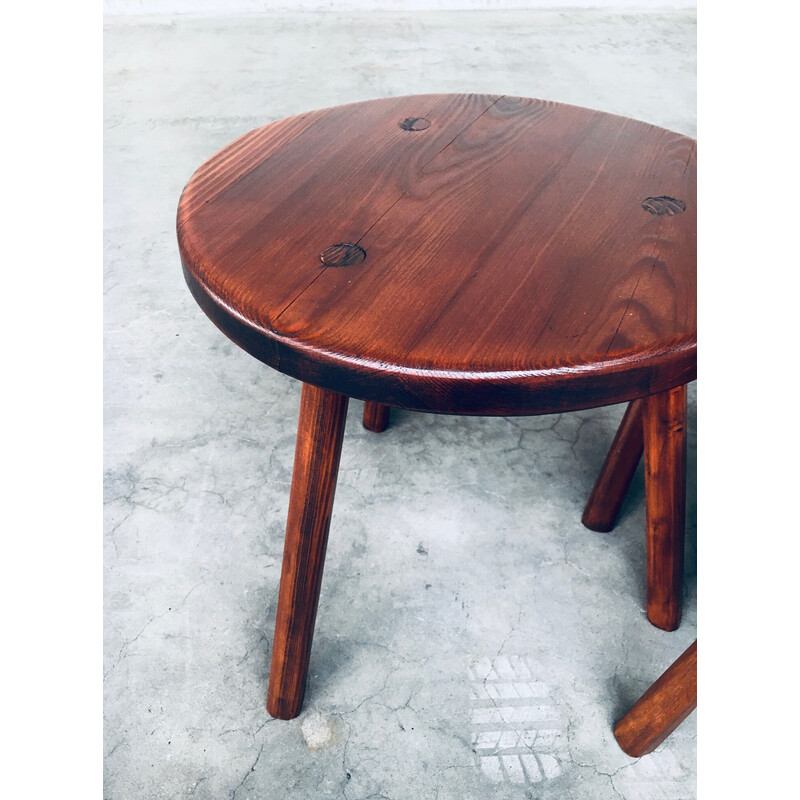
(473,639)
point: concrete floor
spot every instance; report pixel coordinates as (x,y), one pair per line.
(457,563)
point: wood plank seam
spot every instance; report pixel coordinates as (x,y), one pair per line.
(402,195)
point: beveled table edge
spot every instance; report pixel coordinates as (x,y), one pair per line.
(507,393)
(497,393)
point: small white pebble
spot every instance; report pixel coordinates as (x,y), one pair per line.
(317,730)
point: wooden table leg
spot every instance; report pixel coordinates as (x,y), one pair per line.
(376,417)
(661,708)
(665,486)
(316,464)
(615,477)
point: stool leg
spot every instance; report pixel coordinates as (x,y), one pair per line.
(661,708)
(615,477)
(376,417)
(316,464)
(665,486)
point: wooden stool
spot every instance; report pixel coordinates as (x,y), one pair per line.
(463,254)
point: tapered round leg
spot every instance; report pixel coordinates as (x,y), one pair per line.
(376,416)
(316,464)
(605,501)
(665,486)
(661,708)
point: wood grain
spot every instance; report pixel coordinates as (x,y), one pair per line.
(316,464)
(664,428)
(608,494)
(376,417)
(663,707)
(510,267)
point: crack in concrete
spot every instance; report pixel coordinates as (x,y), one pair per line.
(247,774)
(129,642)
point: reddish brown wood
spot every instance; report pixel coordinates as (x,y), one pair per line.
(521,256)
(605,501)
(665,488)
(376,417)
(464,254)
(316,463)
(661,708)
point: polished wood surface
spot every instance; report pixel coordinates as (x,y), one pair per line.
(463,254)
(660,710)
(376,417)
(456,253)
(316,464)
(664,417)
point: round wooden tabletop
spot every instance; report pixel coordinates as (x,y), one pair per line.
(469,254)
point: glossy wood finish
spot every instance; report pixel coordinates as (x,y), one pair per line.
(611,486)
(664,423)
(519,256)
(376,417)
(663,707)
(463,254)
(316,464)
